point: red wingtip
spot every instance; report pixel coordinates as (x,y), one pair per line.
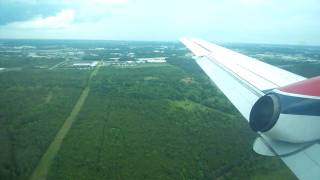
(309,87)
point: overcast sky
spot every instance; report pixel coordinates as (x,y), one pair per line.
(257,21)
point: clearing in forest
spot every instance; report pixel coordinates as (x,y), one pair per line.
(41,171)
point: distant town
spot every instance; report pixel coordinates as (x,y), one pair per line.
(83,58)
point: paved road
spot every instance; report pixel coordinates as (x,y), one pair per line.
(60,63)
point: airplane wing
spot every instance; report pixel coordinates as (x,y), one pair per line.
(282,107)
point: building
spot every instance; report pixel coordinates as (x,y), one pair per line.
(86,64)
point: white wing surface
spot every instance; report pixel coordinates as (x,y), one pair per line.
(244,80)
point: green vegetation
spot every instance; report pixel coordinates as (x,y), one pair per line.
(34,104)
(136,127)
(130,120)
(42,169)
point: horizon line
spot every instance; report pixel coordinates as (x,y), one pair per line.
(155,40)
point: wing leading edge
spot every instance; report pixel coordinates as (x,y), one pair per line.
(244,80)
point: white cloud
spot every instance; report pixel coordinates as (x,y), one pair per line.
(253,2)
(109,1)
(69,1)
(98,10)
(226,21)
(85,2)
(62,19)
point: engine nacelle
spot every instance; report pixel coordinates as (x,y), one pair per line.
(290,113)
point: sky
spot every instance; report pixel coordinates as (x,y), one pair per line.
(244,21)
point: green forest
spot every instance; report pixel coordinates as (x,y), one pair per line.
(165,122)
(34,104)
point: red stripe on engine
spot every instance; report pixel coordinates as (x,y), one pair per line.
(309,87)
